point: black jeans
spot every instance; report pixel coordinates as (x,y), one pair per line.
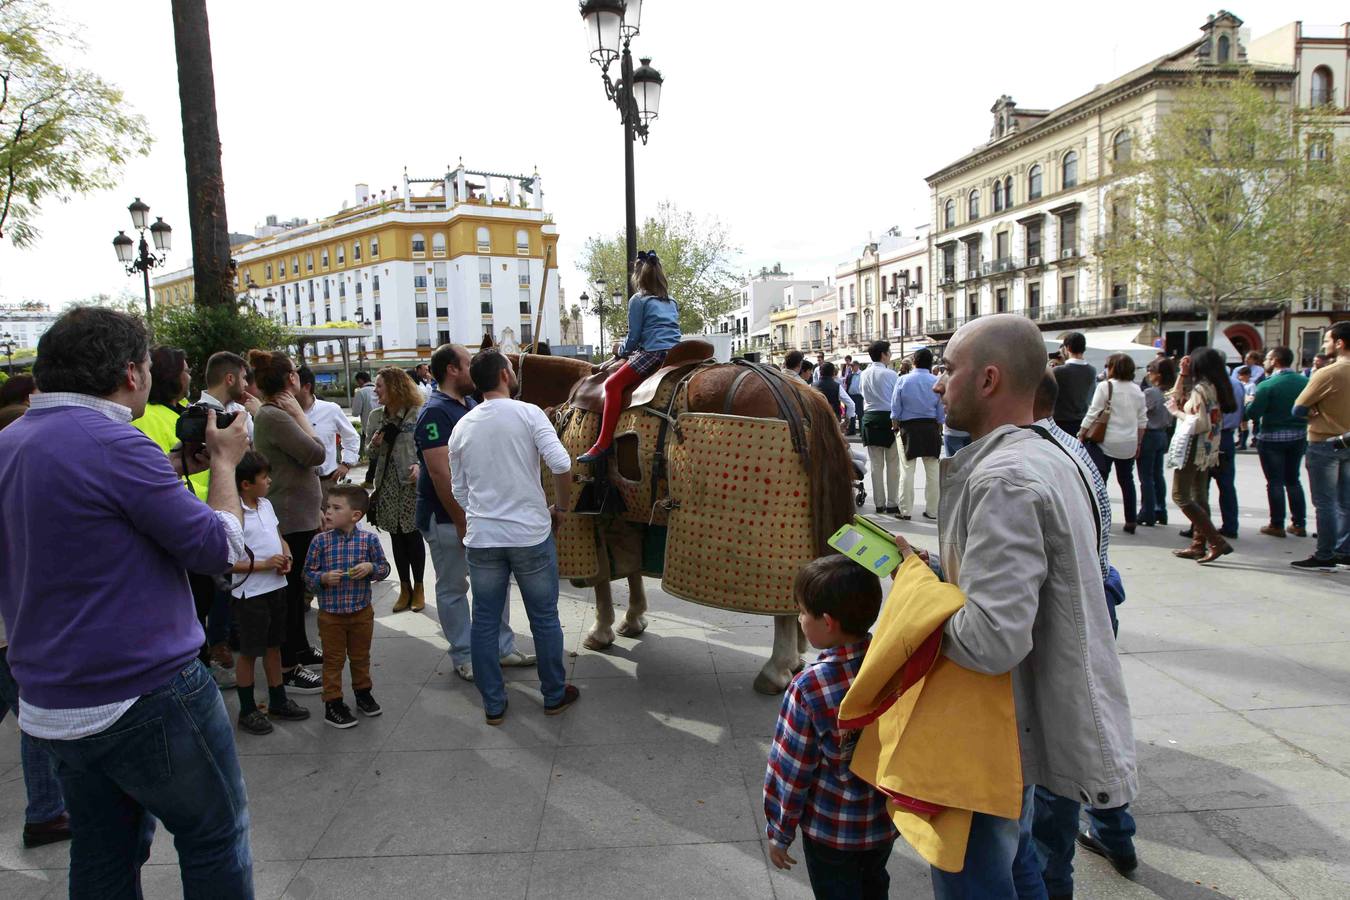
(1124,477)
(847,874)
(1281,461)
(296,639)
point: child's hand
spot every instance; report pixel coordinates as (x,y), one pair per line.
(779,857)
(286,562)
(361,570)
(331,579)
(279,562)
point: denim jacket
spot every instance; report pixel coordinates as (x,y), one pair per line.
(653,324)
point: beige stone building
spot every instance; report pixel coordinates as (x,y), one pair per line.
(882,293)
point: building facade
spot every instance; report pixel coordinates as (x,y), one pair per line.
(761,296)
(446,259)
(1018,222)
(24,323)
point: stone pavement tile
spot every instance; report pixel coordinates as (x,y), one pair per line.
(442,801)
(1147,627)
(1327,662)
(663,651)
(409,624)
(1222,761)
(1153,693)
(645,794)
(162,882)
(752,714)
(909,874)
(727,871)
(9,741)
(1246,678)
(464,876)
(33,884)
(13,855)
(1305,848)
(1323,731)
(291,800)
(1264,623)
(665,708)
(744,648)
(314,736)
(448,715)
(408,660)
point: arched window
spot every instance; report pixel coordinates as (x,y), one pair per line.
(356,249)
(1007,193)
(374,247)
(438,244)
(1070,169)
(522,241)
(419,244)
(973,206)
(1223,48)
(949,214)
(1034,183)
(484,240)
(341,254)
(309,262)
(1122,147)
(998,196)
(1322,86)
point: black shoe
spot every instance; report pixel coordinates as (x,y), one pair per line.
(336,713)
(290,711)
(309,657)
(496,718)
(902,517)
(302,681)
(38,834)
(1189,532)
(927,516)
(1162,518)
(1343,559)
(1318,565)
(892,510)
(570,695)
(1122,864)
(366,704)
(1229,534)
(255,722)
(594,455)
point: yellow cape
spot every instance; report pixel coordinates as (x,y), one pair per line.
(934,733)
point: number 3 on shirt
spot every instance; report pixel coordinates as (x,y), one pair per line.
(433,432)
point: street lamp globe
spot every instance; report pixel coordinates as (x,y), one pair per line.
(647,90)
(162,234)
(123,244)
(604,20)
(632,18)
(138,212)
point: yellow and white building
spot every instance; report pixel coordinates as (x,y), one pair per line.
(445,259)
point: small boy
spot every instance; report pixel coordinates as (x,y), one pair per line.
(258,600)
(847,833)
(343,560)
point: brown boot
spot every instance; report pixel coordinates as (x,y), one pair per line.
(1194,513)
(1207,534)
(1194,551)
(404,598)
(419,601)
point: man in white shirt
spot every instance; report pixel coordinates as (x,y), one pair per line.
(883,459)
(422,378)
(495,451)
(333,429)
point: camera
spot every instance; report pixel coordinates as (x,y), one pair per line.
(191,425)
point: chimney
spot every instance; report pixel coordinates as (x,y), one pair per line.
(362,194)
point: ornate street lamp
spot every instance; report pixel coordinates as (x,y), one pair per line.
(7,341)
(140,259)
(901,302)
(610,27)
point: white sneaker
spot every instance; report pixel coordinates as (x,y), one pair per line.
(518,659)
(465,671)
(224,677)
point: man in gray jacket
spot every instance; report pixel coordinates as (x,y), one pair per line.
(1019,537)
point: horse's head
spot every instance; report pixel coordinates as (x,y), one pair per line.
(547,381)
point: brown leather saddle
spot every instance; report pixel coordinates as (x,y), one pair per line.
(589,393)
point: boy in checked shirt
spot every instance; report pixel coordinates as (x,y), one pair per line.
(342,562)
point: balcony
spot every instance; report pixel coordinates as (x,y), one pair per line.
(1122,307)
(1004,265)
(1070,256)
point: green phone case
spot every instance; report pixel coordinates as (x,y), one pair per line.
(868,544)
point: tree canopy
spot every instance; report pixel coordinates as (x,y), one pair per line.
(695,254)
(63,129)
(1236,200)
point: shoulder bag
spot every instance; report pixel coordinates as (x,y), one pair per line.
(1096,432)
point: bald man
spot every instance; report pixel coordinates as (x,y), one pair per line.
(1018,534)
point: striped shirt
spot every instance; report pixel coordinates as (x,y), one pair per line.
(1103,504)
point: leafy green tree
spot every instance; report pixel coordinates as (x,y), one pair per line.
(200,331)
(63,129)
(695,254)
(1236,200)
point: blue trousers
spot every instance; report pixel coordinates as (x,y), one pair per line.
(170,757)
(452,593)
(39,776)
(1000,863)
(1224,477)
(1280,464)
(1329,484)
(1152,478)
(536,572)
(1055,829)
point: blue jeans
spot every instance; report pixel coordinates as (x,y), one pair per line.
(1280,463)
(1329,484)
(1152,478)
(1224,477)
(1124,476)
(951,443)
(452,593)
(1001,861)
(1055,830)
(170,757)
(536,571)
(39,778)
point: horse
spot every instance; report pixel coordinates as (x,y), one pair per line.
(720,388)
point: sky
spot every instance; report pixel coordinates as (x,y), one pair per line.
(804,127)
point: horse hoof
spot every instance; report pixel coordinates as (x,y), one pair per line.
(631,628)
(597,641)
(767,684)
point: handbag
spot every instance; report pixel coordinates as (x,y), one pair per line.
(1183,441)
(1096,432)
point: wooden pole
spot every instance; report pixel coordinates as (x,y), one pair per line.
(538,318)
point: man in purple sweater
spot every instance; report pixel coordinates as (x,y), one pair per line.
(97,533)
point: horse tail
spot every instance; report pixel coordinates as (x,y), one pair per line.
(831,489)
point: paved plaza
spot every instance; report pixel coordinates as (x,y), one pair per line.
(1239,679)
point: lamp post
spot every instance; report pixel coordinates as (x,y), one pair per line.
(141,259)
(901,301)
(7,341)
(610,27)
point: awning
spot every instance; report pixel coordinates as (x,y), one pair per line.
(1102,342)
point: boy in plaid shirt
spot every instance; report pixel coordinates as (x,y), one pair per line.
(847,833)
(341,564)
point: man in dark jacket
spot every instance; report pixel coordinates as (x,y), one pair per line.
(1077,380)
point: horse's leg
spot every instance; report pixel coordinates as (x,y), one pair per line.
(801,641)
(634,620)
(783,661)
(601,635)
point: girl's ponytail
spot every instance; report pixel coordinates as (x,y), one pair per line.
(648,276)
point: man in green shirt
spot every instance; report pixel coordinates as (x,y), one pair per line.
(1282,441)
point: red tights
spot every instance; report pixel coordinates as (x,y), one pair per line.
(615,385)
